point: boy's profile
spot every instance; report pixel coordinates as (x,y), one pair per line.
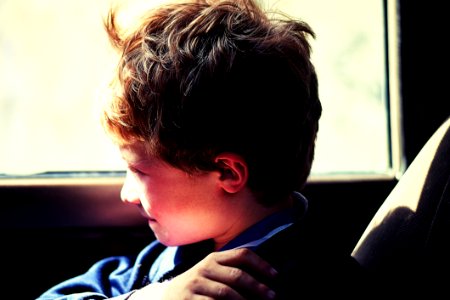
(216,113)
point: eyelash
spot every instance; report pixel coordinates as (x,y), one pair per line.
(135,171)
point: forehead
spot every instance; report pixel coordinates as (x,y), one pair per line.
(136,152)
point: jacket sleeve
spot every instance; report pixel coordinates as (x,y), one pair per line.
(114,277)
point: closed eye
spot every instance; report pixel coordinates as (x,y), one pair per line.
(135,171)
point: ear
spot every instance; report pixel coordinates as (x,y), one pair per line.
(233,172)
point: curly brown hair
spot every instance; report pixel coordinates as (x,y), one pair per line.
(199,78)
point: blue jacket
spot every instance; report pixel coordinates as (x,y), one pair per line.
(306,265)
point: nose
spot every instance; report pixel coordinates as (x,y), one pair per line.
(129,192)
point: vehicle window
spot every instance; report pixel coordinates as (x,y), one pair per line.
(56,63)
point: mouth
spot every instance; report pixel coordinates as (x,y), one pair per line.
(145,214)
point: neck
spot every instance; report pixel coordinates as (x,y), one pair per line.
(250,214)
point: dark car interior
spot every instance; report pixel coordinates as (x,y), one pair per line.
(405,247)
(395,228)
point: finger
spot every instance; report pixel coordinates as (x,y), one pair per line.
(238,279)
(195,284)
(216,290)
(248,259)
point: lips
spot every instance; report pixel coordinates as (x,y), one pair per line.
(145,214)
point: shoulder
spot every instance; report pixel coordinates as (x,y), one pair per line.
(308,265)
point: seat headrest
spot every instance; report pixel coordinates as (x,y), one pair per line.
(409,229)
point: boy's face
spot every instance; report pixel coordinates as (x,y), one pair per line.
(180,208)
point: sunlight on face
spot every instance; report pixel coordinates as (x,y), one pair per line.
(180,208)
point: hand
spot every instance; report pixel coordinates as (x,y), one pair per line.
(228,274)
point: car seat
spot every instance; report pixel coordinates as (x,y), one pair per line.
(405,248)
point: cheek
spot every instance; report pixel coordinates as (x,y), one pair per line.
(180,200)
(148,195)
(162,200)
(178,206)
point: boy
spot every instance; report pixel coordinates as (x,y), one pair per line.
(216,114)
